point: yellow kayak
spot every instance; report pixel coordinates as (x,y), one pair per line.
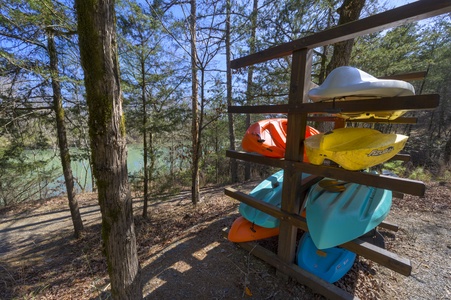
(354,148)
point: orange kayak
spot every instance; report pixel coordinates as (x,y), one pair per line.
(243,230)
(268,137)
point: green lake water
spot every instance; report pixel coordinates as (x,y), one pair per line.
(81,170)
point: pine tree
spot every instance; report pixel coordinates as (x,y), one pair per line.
(98,49)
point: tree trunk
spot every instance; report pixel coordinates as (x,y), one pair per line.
(62,138)
(144,132)
(233,162)
(99,58)
(323,64)
(217,164)
(349,11)
(250,75)
(195,109)
(152,157)
(447,151)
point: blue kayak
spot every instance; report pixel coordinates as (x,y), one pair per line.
(329,264)
(270,191)
(337,217)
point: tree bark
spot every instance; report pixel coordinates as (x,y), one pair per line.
(195,190)
(62,137)
(250,76)
(349,11)
(144,135)
(447,151)
(233,162)
(99,58)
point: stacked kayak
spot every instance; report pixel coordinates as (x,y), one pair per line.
(268,137)
(270,191)
(349,83)
(337,216)
(353,148)
(253,223)
(243,230)
(328,264)
(336,212)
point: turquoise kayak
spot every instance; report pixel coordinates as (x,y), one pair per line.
(340,216)
(329,264)
(270,191)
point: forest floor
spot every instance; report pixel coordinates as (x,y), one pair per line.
(183,254)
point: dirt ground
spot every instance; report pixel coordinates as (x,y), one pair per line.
(183,254)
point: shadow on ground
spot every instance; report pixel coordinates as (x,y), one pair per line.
(182,252)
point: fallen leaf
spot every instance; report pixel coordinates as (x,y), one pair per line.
(248,292)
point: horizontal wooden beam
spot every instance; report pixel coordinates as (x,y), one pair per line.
(258,204)
(395,184)
(317,284)
(407,76)
(406,103)
(398,195)
(401,157)
(389,226)
(415,11)
(376,254)
(280,162)
(388,259)
(256,158)
(400,120)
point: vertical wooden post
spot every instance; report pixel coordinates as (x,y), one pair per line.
(291,202)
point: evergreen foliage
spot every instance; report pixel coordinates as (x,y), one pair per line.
(155,42)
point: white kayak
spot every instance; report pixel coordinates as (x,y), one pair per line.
(349,83)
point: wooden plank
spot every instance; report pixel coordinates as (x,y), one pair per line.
(324,118)
(407,103)
(317,284)
(256,203)
(400,120)
(296,127)
(407,76)
(415,11)
(280,162)
(389,226)
(383,257)
(256,158)
(395,184)
(402,185)
(376,254)
(401,157)
(259,109)
(398,195)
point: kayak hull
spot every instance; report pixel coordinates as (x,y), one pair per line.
(329,264)
(268,137)
(349,83)
(244,231)
(354,148)
(270,191)
(334,218)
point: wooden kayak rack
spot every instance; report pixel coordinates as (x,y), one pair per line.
(298,113)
